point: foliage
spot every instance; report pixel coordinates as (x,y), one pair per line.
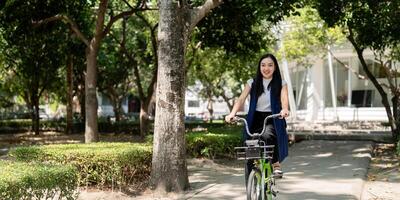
(214,143)
(306,34)
(398,148)
(226,45)
(375,23)
(34,54)
(241,26)
(371,25)
(98,164)
(20,180)
(220,75)
(105,126)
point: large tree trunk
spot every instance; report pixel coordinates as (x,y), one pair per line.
(91,104)
(68,129)
(169,171)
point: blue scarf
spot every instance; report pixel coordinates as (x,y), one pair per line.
(279,124)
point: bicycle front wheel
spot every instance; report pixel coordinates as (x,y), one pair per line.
(254,185)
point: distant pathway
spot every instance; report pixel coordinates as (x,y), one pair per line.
(314,170)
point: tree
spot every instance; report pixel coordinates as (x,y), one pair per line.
(371,25)
(31,54)
(93,44)
(306,34)
(221,75)
(177,20)
(115,73)
(138,44)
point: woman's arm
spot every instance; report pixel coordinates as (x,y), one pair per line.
(239,103)
(284,101)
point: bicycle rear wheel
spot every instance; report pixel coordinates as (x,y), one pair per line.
(254,185)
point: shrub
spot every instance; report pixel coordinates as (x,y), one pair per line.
(98,164)
(398,148)
(212,145)
(37,181)
(13,126)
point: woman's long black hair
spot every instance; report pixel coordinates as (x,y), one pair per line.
(276,83)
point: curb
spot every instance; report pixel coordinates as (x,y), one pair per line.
(375,136)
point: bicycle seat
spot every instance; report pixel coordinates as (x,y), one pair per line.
(252,143)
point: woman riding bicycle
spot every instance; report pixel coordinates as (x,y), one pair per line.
(268,95)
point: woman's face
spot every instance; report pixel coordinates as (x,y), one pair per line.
(267,68)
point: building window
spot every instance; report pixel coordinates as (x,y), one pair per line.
(362,98)
(375,68)
(193,104)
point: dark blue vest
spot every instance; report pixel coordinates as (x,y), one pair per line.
(279,124)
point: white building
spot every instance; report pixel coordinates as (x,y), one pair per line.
(197,108)
(354,99)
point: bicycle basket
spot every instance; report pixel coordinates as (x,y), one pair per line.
(254,152)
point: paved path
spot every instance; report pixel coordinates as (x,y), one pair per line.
(314,170)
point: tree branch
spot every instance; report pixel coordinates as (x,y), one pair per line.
(74,27)
(377,85)
(347,66)
(200,12)
(121,15)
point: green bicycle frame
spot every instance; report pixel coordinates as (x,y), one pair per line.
(265,166)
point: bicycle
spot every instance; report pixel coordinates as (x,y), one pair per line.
(261,180)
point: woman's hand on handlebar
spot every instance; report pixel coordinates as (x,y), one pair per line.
(284,113)
(229,118)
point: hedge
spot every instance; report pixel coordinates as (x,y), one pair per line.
(98,164)
(37,181)
(215,143)
(13,126)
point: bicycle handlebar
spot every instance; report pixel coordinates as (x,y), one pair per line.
(247,126)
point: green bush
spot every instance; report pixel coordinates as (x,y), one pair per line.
(398,148)
(193,125)
(12,126)
(212,145)
(99,164)
(37,181)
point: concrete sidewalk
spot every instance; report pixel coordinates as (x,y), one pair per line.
(314,170)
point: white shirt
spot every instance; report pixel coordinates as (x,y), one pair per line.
(264,100)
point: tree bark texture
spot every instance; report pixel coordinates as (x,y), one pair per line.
(91,104)
(69,117)
(144,119)
(169,170)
